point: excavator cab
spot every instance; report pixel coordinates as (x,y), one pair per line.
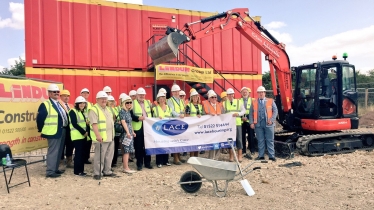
(326,90)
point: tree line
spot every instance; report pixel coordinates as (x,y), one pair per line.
(18,69)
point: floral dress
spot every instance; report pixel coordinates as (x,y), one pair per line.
(125,115)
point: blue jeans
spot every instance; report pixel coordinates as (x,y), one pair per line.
(265,135)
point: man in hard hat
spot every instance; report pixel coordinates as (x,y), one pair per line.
(262,118)
(113,109)
(182,96)
(246,129)
(102,134)
(132,94)
(213,107)
(53,129)
(141,110)
(107,90)
(177,110)
(223,96)
(69,146)
(87,147)
(237,109)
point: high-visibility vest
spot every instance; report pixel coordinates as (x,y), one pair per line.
(74,133)
(158,112)
(193,110)
(268,109)
(209,109)
(88,107)
(178,108)
(101,123)
(249,102)
(51,121)
(137,110)
(113,111)
(234,108)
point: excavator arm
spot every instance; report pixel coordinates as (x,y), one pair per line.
(167,48)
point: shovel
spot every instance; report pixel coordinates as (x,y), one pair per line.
(247,187)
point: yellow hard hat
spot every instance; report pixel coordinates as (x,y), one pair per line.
(65,92)
(223,94)
(246,88)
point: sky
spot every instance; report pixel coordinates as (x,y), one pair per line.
(313,30)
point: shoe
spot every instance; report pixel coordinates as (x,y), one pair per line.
(202,152)
(248,156)
(260,158)
(81,174)
(129,171)
(110,175)
(53,175)
(60,172)
(97,177)
(168,164)
(177,163)
(149,167)
(139,168)
(87,162)
(183,161)
(159,166)
(273,159)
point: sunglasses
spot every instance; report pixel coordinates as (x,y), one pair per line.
(55,91)
(182,96)
(130,102)
(213,97)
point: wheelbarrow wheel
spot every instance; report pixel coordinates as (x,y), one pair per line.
(188,177)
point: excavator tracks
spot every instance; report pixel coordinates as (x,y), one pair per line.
(335,143)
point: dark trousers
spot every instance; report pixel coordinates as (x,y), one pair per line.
(79,155)
(140,150)
(116,147)
(69,146)
(87,150)
(162,159)
(246,129)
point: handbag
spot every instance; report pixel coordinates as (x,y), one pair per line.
(118,126)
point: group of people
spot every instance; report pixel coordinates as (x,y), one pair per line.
(111,127)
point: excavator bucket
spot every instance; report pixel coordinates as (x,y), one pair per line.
(167,48)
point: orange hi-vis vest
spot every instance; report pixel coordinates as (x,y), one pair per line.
(268,109)
(209,109)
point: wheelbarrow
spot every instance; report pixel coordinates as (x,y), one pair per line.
(213,171)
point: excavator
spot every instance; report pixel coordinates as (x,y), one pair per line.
(319,117)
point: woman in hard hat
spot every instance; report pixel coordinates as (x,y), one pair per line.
(161,111)
(127,138)
(86,93)
(223,96)
(79,130)
(194,109)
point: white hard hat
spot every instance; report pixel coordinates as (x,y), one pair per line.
(111,98)
(175,87)
(126,98)
(160,94)
(132,93)
(230,91)
(107,89)
(53,87)
(212,94)
(122,95)
(85,90)
(245,88)
(101,94)
(140,91)
(210,91)
(80,99)
(261,89)
(182,93)
(194,93)
(162,90)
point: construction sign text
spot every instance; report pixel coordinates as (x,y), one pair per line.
(184,73)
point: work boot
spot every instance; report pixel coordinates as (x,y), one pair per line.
(69,162)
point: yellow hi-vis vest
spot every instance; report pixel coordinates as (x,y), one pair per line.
(158,112)
(101,124)
(193,111)
(234,108)
(249,102)
(137,110)
(74,133)
(178,108)
(51,121)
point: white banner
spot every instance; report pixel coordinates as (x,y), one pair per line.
(174,135)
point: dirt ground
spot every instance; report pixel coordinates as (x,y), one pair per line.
(367,120)
(328,182)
